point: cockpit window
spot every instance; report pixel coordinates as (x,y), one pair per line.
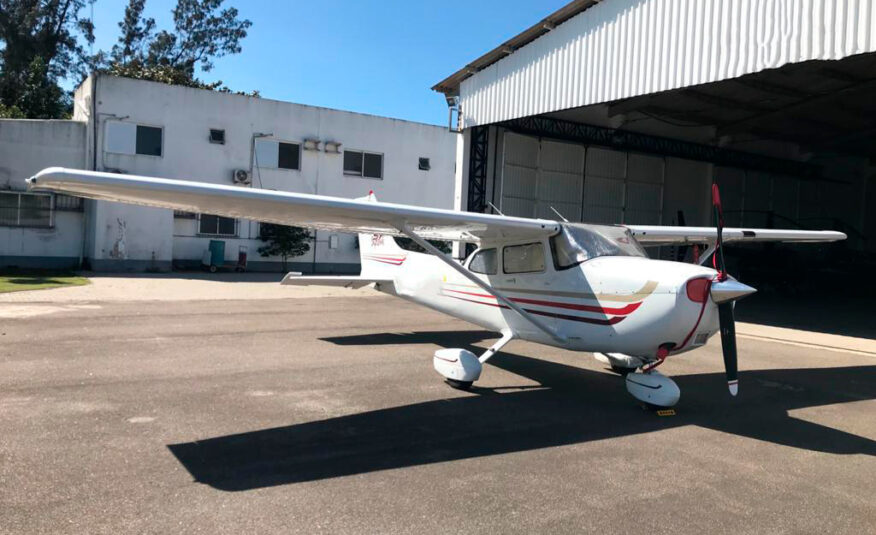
(578,243)
(485,261)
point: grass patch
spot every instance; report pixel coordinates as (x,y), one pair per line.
(20,281)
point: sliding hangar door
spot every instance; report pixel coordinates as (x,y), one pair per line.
(536,175)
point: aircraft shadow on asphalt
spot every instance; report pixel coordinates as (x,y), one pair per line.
(575,405)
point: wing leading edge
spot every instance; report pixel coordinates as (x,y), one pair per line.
(355,216)
(656,235)
(296,209)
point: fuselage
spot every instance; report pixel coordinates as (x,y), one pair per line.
(620,304)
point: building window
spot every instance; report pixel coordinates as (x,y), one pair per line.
(25,210)
(148,140)
(131,138)
(181,214)
(289,156)
(364,164)
(527,258)
(215,225)
(270,153)
(217,136)
(424,164)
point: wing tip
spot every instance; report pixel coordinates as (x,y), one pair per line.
(34,182)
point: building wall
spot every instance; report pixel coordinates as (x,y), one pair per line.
(153,238)
(27,146)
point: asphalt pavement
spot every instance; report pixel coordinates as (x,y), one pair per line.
(325,415)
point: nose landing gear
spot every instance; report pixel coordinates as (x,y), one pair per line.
(653,389)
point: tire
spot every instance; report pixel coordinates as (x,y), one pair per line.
(459,385)
(213,269)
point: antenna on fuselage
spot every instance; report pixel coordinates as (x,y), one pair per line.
(493,206)
(559,214)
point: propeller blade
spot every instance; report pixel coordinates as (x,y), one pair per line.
(724,291)
(718,258)
(728,344)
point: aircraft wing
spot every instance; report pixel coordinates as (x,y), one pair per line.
(656,235)
(296,209)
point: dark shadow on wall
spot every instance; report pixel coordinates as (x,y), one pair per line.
(573,406)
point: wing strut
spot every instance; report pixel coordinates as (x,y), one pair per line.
(540,325)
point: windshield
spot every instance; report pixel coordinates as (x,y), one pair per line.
(578,243)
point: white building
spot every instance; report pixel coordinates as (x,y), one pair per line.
(625,111)
(147,128)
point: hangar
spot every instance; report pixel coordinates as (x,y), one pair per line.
(625,111)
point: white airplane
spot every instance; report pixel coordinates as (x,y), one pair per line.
(576,286)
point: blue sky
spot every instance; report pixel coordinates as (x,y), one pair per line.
(378,57)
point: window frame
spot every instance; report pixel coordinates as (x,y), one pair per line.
(478,253)
(217,234)
(19,195)
(361,174)
(543,260)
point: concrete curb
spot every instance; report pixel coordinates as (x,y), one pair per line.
(862,346)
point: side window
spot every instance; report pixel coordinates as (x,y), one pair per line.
(214,225)
(485,262)
(527,258)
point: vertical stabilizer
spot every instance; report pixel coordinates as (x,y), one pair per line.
(380,254)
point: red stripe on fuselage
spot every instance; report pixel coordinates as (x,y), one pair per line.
(628,309)
(595,321)
(387,257)
(392,262)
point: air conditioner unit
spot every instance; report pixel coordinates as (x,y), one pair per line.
(241,176)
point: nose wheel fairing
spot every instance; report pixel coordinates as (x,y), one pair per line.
(653,388)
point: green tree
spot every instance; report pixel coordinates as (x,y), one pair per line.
(283,241)
(41,44)
(410,245)
(202,31)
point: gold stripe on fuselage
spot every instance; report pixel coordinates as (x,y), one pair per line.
(639,295)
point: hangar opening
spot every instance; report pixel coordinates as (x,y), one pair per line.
(626,111)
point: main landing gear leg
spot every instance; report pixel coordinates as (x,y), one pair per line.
(461,368)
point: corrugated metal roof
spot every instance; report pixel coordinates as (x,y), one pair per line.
(625,48)
(450,85)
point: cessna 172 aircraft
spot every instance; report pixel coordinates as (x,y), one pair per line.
(577,286)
